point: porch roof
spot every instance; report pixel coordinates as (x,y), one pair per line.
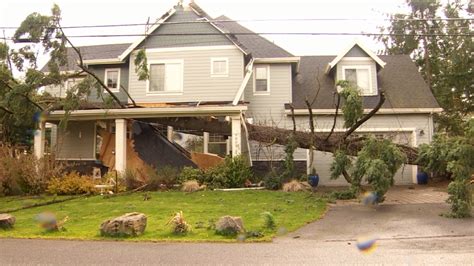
(149,112)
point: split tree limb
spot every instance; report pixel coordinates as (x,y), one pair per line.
(335,116)
(367,116)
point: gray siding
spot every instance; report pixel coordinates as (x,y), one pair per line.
(356,51)
(77,141)
(214,37)
(198,85)
(99,70)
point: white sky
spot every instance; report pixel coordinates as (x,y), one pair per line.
(89,12)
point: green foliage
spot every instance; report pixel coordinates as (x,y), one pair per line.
(352,109)
(141,65)
(273,181)
(269,222)
(71,184)
(453,156)
(341,163)
(348,194)
(232,173)
(378,161)
(445,61)
(289,171)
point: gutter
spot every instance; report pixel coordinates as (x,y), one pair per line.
(381,111)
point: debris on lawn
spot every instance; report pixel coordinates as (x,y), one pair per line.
(294,186)
(229,225)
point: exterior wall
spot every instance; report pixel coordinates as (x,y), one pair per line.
(356,51)
(198,85)
(77,141)
(349,61)
(99,70)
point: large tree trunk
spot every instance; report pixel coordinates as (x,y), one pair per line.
(274,135)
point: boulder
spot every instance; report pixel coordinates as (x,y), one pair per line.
(7,221)
(130,224)
(229,225)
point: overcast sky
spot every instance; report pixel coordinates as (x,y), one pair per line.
(89,12)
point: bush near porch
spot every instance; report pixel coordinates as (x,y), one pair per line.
(290,210)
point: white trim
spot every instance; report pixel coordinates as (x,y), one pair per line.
(95,141)
(165,92)
(148,112)
(381,111)
(150,30)
(105,61)
(118,79)
(245,81)
(373,91)
(346,50)
(267,92)
(191,48)
(220,75)
(352,59)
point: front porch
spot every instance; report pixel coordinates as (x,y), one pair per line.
(78,141)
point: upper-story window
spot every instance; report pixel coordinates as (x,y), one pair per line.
(361,77)
(165,76)
(219,67)
(112,79)
(262,79)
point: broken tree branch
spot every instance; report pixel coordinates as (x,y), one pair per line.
(367,116)
(335,116)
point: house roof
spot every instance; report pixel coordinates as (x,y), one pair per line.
(258,46)
(355,43)
(92,52)
(400,79)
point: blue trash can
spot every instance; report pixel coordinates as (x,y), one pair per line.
(313,180)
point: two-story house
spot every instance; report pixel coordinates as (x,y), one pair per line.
(204,67)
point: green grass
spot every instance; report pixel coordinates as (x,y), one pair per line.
(291,211)
(14,202)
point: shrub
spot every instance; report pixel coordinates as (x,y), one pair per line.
(23,173)
(273,180)
(293,186)
(268,221)
(179,224)
(71,184)
(191,173)
(164,177)
(130,179)
(191,186)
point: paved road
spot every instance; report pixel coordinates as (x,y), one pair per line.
(408,234)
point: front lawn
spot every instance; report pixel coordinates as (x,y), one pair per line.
(291,211)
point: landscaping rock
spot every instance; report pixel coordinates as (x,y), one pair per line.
(229,225)
(130,224)
(7,221)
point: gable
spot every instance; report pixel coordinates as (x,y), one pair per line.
(169,34)
(356,51)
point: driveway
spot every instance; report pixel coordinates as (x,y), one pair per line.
(407,234)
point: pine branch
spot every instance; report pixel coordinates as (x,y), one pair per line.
(367,116)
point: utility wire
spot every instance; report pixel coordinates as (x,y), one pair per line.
(253,20)
(259,33)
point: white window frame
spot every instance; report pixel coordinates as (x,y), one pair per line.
(118,79)
(371,90)
(255,92)
(220,75)
(174,61)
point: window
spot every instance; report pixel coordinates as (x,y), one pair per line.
(165,77)
(219,67)
(360,77)
(261,80)
(112,79)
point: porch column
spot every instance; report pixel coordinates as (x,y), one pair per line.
(205,146)
(236,136)
(228,145)
(169,133)
(39,140)
(120,145)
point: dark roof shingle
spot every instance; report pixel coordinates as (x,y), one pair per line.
(400,79)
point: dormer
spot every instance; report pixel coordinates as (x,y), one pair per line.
(358,65)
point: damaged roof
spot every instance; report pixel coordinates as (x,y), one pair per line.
(400,79)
